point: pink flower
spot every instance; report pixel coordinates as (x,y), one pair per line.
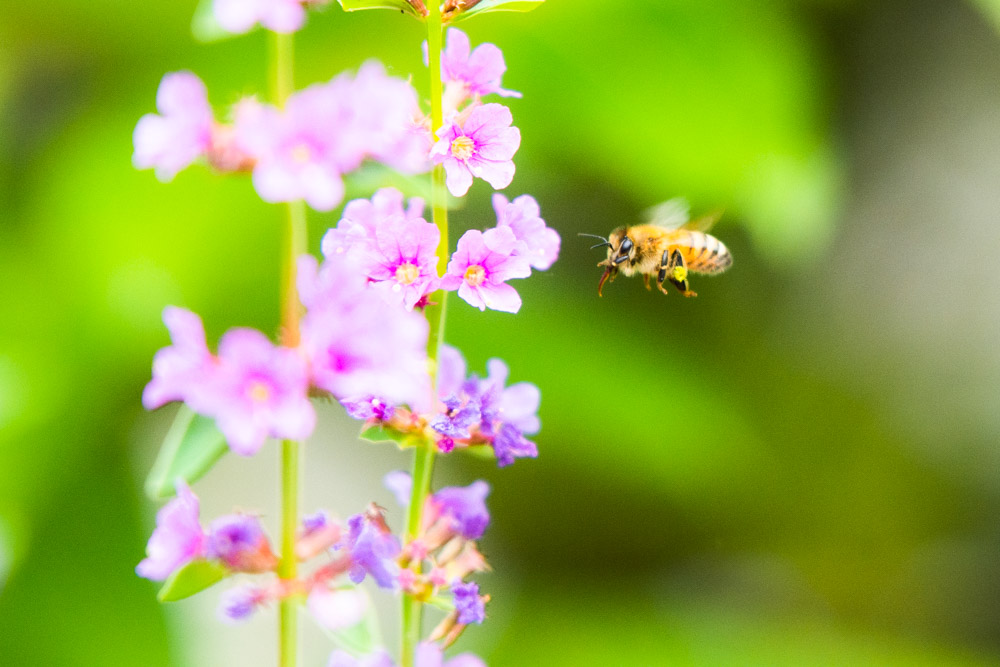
(179,371)
(358,345)
(482,264)
(479,72)
(524,219)
(355,233)
(259,390)
(181,133)
(238,16)
(483,146)
(325,131)
(178,538)
(403,263)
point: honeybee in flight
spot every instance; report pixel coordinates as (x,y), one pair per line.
(669,246)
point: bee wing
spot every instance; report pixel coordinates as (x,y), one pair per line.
(705,222)
(671,214)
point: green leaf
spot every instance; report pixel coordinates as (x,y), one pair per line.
(193,578)
(497,6)
(399,5)
(191,448)
(379,433)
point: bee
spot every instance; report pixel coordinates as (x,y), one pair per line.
(669,246)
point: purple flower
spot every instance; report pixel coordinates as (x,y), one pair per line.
(178,538)
(468,603)
(479,72)
(238,604)
(483,146)
(482,264)
(466,505)
(325,131)
(260,390)
(510,444)
(369,407)
(359,345)
(179,371)
(373,551)
(458,416)
(516,405)
(239,541)
(238,16)
(450,371)
(524,219)
(181,133)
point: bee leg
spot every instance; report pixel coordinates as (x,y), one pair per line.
(607,272)
(645,280)
(677,273)
(662,274)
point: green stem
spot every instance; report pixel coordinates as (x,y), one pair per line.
(423,455)
(282,85)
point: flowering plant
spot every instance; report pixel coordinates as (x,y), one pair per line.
(363,327)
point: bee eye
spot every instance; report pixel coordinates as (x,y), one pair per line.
(623,250)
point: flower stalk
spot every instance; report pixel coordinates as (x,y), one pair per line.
(282,84)
(423,455)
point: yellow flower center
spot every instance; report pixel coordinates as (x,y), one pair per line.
(258,392)
(462,147)
(407,274)
(301,154)
(475,275)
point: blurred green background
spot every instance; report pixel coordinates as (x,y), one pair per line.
(798,467)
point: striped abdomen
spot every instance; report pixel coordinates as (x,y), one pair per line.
(703,253)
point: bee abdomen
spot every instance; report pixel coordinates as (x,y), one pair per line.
(707,254)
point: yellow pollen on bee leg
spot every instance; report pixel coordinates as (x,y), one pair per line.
(462,147)
(407,274)
(680,273)
(258,392)
(475,275)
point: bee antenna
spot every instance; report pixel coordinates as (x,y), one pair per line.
(604,241)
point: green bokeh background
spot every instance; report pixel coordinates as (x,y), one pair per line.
(798,467)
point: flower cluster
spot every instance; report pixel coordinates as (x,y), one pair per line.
(434,564)
(396,250)
(300,152)
(477,140)
(469,411)
(361,338)
(353,343)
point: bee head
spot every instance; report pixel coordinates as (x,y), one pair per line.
(620,246)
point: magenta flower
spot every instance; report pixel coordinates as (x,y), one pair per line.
(523,216)
(182,131)
(479,72)
(482,264)
(325,131)
(358,345)
(260,390)
(483,146)
(178,538)
(179,371)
